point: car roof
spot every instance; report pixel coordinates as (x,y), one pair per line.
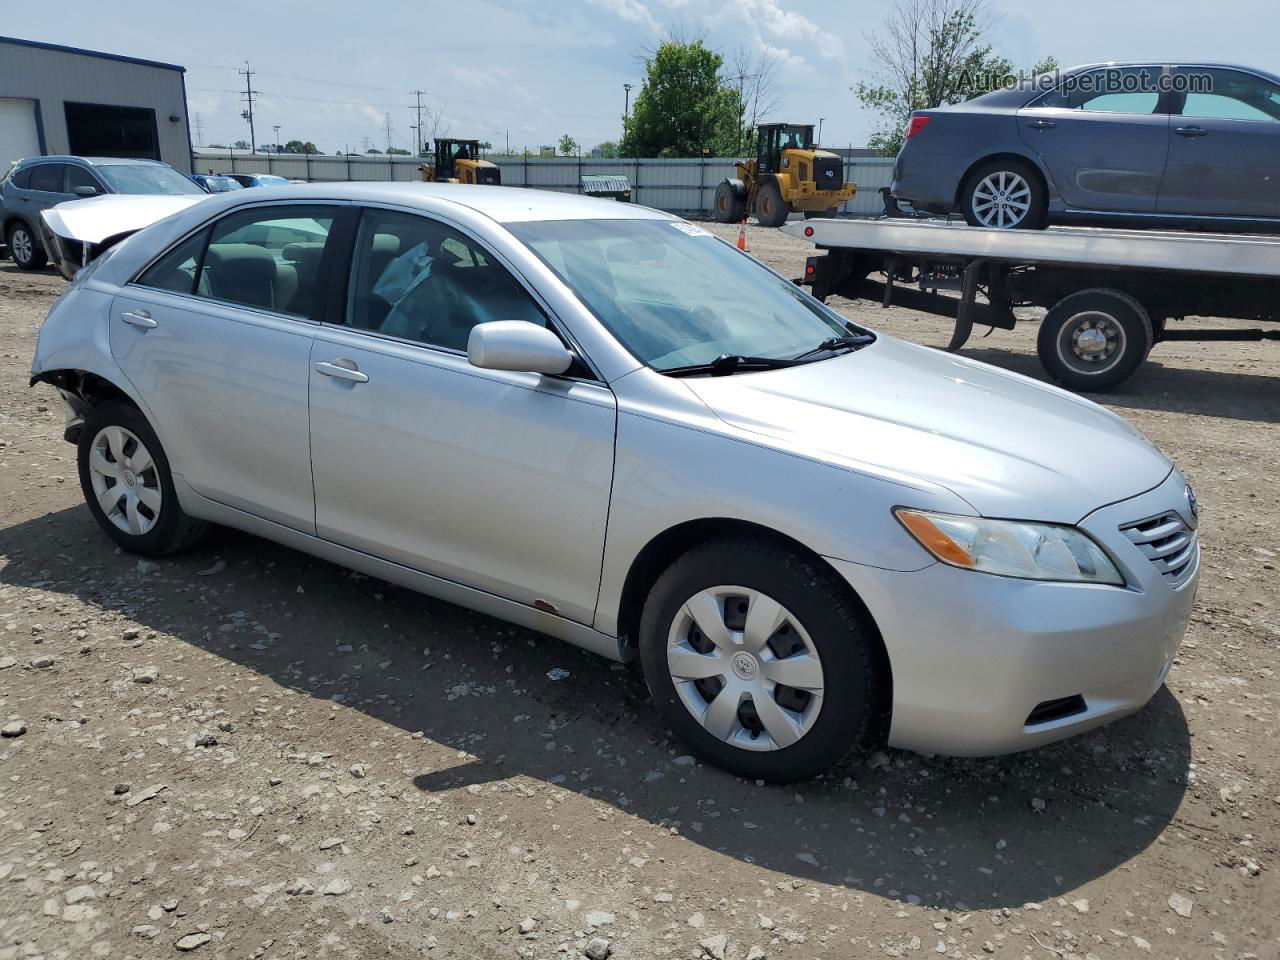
(95,161)
(503,204)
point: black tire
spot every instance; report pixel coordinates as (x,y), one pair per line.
(730,206)
(1117,317)
(842,640)
(24,247)
(172,530)
(1034,218)
(771,209)
(827,214)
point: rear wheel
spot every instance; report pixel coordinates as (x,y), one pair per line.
(771,209)
(756,658)
(729,206)
(1005,195)
(1095,339)
(24,249)
(127,483)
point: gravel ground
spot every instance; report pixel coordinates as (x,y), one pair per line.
(244,753)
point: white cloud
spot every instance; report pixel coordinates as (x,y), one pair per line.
(632,11)
(773,24)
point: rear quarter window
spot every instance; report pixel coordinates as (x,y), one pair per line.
(22,179)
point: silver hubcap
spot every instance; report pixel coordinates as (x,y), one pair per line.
(745,667)
(1091,342)
(125,480)
(1001,200)
(21,241)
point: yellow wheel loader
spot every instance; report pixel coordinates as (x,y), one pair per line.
(458,161)
(787,173)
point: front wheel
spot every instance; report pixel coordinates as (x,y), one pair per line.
(729,206)
(1005,195)
(758,660)
(24,249)
(127,484)
(1095,339)
(771,209)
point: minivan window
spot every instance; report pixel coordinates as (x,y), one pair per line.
(47,176)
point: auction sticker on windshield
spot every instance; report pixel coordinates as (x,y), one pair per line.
(692,229)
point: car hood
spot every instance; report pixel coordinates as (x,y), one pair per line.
(95,219)
(1008,445)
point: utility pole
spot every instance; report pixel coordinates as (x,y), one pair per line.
(199,125)
(626,106)
(247,113)
(418,151)
(386,125)
(276,128)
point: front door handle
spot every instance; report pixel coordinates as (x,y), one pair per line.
(339,371)
(139,318)
(1041,124)
(1190,131)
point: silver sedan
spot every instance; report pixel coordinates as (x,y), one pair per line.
(603,423)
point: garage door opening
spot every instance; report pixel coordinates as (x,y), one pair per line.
(19,135)
(101,130)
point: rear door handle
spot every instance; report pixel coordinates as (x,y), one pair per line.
(336,370)
(1041,124)
(139,318)
(1190,131)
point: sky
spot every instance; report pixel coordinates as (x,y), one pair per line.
(525,72)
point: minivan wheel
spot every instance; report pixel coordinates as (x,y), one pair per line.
(1005,195)
(1095,339)
(23,249)
(757,659)
(127,483)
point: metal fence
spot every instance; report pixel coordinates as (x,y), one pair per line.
(685,187)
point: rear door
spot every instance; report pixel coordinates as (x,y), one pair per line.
(1104,137)
(216,337)
(1224,155)
(47,188)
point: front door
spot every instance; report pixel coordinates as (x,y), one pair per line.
(499,481)
(1104,138)
(1224,155)
(216,338)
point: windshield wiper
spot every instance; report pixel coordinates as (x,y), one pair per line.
(728,364)
(832,344)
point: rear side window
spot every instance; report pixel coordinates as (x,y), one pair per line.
(1133,90)
(22,179)
(47,176)
(178,270)
(268,258)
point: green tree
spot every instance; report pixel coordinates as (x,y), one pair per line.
(241,145)
(685,107)
(608,150)
(300,146)
(932,53)
(568,146)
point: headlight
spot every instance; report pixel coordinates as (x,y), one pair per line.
(1009,548)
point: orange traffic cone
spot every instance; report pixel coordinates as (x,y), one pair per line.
(742,237)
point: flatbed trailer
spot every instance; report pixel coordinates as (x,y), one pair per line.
(1110,294)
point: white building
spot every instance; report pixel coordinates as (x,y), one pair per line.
(63,100)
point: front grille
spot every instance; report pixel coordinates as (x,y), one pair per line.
(828,173)
(1051,710)
(1168,543)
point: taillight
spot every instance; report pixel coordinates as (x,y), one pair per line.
(918,123)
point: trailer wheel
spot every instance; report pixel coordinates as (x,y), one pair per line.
(771,209)
(729,206)
(1095,339)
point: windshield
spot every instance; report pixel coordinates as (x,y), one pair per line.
(675,296)
(145,178)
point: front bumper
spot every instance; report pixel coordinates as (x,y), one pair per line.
(973,655)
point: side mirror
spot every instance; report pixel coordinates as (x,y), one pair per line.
(517,345)
(86,191)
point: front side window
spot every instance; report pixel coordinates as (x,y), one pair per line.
(1230,95)
(78,176)
(675,296)
(146,178)
(1133,90)
(47,176)
(417,279)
